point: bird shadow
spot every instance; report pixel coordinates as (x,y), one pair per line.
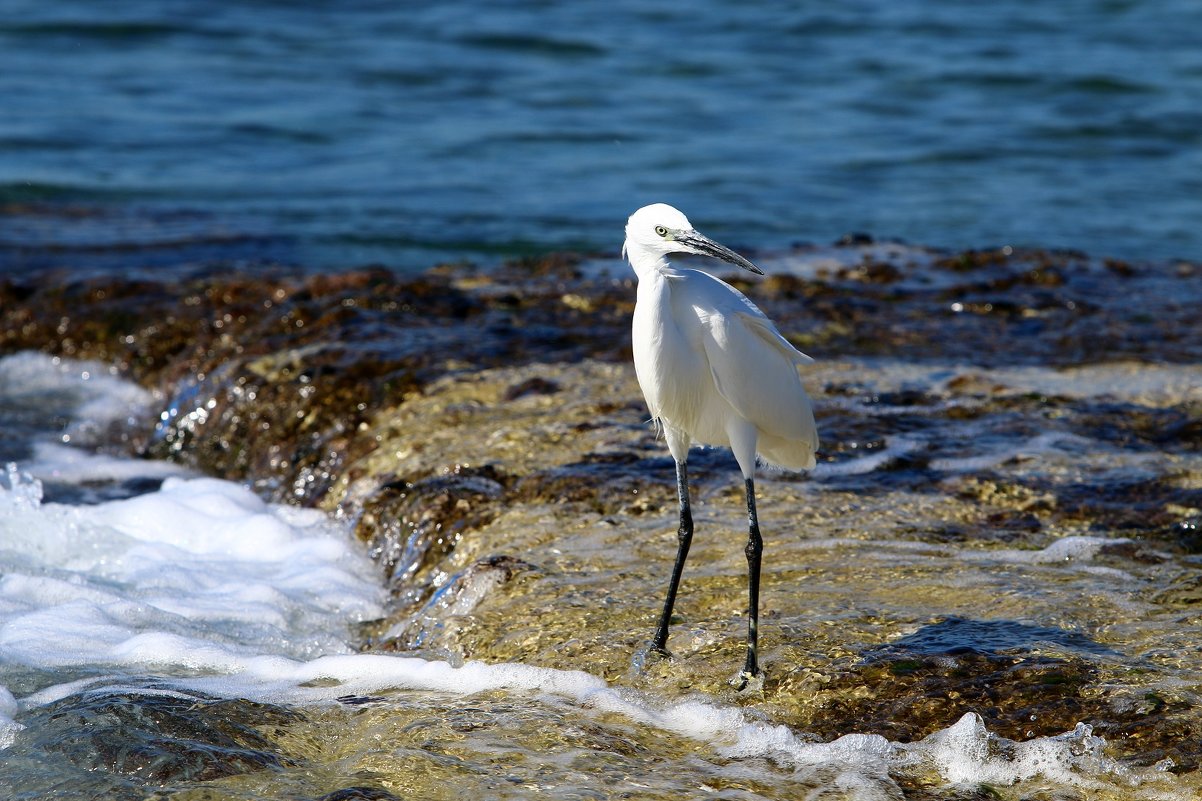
(703,463)
(956,636)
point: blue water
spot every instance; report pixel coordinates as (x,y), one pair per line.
(334,134)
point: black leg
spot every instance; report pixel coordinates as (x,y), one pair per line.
(684,537)
(755,547)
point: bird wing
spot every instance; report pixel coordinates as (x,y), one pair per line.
(755,370)
(766,330)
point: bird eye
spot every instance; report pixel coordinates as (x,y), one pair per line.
(661,231)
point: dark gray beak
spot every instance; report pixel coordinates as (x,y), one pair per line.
(693,242)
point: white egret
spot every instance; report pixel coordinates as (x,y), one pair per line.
(715,370)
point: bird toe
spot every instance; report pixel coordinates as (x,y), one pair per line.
(745,682)
(646,656)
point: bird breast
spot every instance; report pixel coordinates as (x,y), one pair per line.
(669,359)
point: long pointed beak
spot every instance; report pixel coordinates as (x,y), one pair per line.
(693,242)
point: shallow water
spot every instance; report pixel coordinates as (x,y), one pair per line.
(161,134)
(986,587)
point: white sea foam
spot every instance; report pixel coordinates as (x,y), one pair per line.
(8,726)
(61,463)
(200,559)
(965,753)
(1074,548)
(92,393)
(201,569)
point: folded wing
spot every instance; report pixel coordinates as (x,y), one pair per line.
(755,370)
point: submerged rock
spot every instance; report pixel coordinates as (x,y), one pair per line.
(410,527)
(125,744)
(359,794)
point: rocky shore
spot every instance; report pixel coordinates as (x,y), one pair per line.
(990,421)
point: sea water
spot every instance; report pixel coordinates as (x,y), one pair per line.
(162,133)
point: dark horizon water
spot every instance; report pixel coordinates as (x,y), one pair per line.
(333,135)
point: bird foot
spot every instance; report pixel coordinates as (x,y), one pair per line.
(648,655)
(745,682)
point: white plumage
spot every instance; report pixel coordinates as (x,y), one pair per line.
(711,365)
(713,369)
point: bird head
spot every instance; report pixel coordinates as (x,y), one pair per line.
(653,232)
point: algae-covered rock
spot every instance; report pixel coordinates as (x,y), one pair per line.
(1008,440)
(410,527)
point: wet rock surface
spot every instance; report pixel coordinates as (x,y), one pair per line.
(1003,520)
(125,744)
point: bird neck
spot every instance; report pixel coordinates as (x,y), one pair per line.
(645,262)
